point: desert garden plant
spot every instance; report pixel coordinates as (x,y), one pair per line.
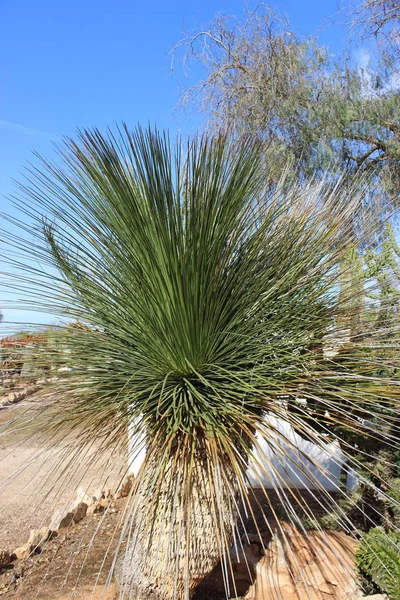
(379,558)
(205,299)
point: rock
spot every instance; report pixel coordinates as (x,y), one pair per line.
(5,558)
(95,509)
(104,503)
(325,560)
(104,494)
(83,496)
(23,551)
(62,520)
(75,514)
(125,487)
(79,511)
(66,521)
(40,536)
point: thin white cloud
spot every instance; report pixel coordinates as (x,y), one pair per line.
(27,130)
(364,63)
(393,83)
(362,57)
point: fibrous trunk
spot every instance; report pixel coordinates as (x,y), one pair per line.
(183,520)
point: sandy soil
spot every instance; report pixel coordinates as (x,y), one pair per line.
(38,478)
(70,566)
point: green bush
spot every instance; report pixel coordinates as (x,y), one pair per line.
(394,501)
(378,558)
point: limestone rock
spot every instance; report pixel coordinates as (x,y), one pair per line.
(40,536)
(94,509)
(5,558)
(62,520)
(79,511)
(23,551)
(83,496)
(125,487)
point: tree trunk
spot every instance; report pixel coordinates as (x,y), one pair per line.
(183,525)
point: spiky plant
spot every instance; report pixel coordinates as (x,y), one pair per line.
(205,304)
(379,558)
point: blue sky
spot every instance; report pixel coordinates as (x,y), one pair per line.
(75,64)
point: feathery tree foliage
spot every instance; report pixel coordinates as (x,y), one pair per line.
(262,79)
(205,300)
(384,267)
(379,19)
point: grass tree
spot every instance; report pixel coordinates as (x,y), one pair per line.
(205,301)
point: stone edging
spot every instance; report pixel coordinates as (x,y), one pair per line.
(17,396)
(84,505)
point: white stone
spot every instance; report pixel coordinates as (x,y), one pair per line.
(39,536)
(83,496)
(23,551)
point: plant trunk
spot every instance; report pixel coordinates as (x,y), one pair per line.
(183,524)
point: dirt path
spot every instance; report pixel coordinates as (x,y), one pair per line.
(36,479)
(72,566)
